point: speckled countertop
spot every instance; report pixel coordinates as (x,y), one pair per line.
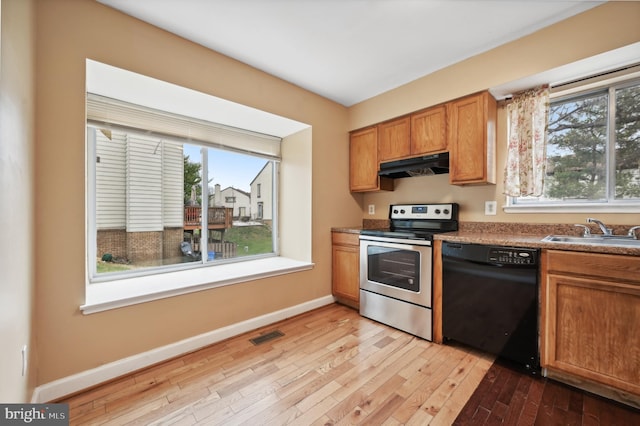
(515,234)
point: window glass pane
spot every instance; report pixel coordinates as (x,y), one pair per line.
(234,180)
(150,204)
(142,192)
(192,201)
(576,150)
(628,143)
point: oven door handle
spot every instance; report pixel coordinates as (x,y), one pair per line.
(397,241)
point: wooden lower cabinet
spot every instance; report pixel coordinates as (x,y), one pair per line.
(345,282)
(591,320)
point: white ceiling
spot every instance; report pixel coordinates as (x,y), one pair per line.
(351,50)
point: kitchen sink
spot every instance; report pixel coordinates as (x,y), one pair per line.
(599,240)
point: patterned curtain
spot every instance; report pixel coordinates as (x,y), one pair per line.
(527,121)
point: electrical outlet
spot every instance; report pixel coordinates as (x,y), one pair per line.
(490,208)
(24,360)
(372,209)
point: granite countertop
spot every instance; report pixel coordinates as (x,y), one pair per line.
(517,235)
(533,241)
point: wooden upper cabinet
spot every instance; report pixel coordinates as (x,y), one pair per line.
(363,162)
(429,131)
(472,139)
(394,139)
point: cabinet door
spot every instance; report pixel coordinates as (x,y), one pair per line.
(393,139)
(590,330)
(472,139)
(363,160)
(346,272)
(428,131)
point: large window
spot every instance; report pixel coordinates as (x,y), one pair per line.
(167,165)
(593,149)
(163,202)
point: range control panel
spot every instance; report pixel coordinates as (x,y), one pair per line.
(423,211)
(512,256)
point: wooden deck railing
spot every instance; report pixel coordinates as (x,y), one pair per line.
(217,217)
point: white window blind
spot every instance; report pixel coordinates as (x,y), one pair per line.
(109,113)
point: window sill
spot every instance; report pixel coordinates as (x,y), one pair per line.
(130,291)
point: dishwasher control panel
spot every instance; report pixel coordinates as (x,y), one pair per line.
(513,256)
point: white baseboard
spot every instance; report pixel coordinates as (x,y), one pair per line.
(68,385)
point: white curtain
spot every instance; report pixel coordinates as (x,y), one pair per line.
(527,121)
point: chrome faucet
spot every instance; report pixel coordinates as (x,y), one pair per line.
(632,232)
(586,232)
(605,230)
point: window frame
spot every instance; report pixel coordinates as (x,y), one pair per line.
(173,280)
(610,204)
(94,277)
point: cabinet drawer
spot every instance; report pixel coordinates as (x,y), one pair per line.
(345,238)
(608,266)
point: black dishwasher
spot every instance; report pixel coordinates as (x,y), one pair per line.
(490,300)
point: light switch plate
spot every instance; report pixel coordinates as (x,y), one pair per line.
(490,208)
(372,209)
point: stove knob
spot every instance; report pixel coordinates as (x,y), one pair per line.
(402,211)
(395,211)
(446,211)
(437,211)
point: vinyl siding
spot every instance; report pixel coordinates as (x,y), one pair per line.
(110,181)
(144,184)
(265,179)
(173,173)
(138,183)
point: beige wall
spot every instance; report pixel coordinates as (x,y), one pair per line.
(16,205)
(604,28)
(69,31)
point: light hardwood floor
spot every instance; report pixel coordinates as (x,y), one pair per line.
(331,367)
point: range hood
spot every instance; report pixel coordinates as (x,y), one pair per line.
(419,166)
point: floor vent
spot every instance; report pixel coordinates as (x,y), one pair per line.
(266,337)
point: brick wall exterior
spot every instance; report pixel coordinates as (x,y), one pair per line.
(140,246)
(113,241)
(144,246)
(171,244)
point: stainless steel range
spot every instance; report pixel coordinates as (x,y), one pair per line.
(396,266)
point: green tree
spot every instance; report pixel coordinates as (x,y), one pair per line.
(192,179)
(577,146)
(627,141)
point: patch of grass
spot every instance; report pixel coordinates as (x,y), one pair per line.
(256,238)
(106,267)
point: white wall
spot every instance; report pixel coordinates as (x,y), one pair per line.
(17,67)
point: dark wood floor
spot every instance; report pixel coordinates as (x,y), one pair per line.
(507,396)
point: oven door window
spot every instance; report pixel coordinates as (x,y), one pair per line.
(394,267)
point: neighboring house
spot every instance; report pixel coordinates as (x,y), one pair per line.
(262,194)
(234,198)
(139,196)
